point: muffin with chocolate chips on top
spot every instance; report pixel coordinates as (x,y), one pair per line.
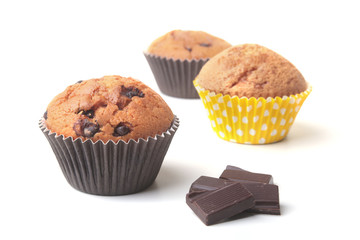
(177,57)
(188,45)
(109,134)
(109,108)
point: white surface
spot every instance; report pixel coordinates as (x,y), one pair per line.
(46,46)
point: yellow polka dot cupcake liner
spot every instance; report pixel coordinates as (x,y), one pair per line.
(251,120)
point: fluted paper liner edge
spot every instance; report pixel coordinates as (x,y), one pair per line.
(251,120)
(175,77)
(110,168)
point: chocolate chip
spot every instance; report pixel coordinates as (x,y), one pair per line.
(121,130)
(80,81)
(131,92)
(45,115)
(205,44)
(85,128)
(189,49)
(90,129)
(89,113)
(78,127)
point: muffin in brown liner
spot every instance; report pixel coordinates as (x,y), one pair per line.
(110,168)
(178,56)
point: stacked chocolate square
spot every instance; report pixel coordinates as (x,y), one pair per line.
(236,191)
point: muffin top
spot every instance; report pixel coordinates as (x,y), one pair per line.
(108,108)
(251,70)
(179,44)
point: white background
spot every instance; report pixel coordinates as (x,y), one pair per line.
(47,45)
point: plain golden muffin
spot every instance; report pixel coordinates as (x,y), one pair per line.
(179,44)
(108,108)
(251,70)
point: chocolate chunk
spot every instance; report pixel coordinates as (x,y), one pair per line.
(45,115)
(194,195)
(260,185)
(85,128)
(90,129)
(89,113)
(214,206)
(230,167)
(80,81)
(238,190)
(205,183)
(131,92)
(266,195)
(238,174)
(205,44)
(121,130)
(78,127)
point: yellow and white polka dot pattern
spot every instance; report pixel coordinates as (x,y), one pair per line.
(251,120)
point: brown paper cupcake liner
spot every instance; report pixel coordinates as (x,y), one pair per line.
(110,168)
(175,77)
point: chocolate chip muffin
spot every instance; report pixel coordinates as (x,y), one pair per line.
(179,44)
(110,135)
(251,70)
(108,108)
(177,57)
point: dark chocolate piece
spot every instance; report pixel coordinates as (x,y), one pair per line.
(80,81)
(45,115)
(230,167)
(131,92)
(121,130)
(194,195)
(85,128)
(237,174)
(78,127)
(205,183)
(89,113)
(214,206)
(90,129)
(266,195)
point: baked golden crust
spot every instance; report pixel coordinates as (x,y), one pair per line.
(108,108)
(179,44)
(251,70)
